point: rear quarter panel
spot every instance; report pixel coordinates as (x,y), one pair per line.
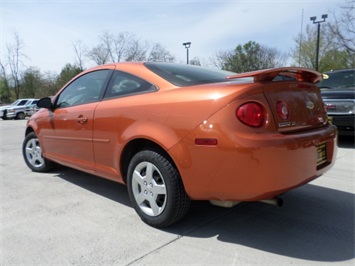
(164,117)
(249,163)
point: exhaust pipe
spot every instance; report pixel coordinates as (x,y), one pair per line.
(275,201)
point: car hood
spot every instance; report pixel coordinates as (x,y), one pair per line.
(348,93)
(5,107)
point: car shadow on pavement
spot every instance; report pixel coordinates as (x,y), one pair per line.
(346,142)
(315,223)
(107,188)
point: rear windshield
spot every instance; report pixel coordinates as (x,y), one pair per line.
(187,75)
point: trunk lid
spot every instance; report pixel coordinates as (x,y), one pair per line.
(304,105)
(294,100)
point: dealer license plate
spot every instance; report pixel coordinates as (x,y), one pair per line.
(321,153)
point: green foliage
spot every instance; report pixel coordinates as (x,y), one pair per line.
(244,58)
(330,56)
(31,82)
(4,97)
(248,57)
(334,59)
(34,84)
(68,72)
(336,42)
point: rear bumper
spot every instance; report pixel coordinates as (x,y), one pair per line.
(252,167)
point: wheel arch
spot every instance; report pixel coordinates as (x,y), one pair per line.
(20,115)
(29,130)
(136,145)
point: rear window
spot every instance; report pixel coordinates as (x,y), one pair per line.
(187,75)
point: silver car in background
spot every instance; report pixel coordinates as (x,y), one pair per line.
(19,109)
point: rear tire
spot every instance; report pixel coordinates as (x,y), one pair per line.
(32,153)
(156,190)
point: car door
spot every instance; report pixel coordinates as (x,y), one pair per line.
(113,115)
(68,139)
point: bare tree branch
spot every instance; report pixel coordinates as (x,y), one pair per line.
(80,51)
(14,56)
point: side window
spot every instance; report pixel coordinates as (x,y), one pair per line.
(85,89)
(123,84)
(23,102)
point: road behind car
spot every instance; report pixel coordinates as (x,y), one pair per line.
(69,217)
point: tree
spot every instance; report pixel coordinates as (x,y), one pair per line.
(330,56)
(31,82)
(222,58)
(342,31)
(123,47)
(14,61)
(99,54)
(48,87)
(248,57)
(68,72)
(304,52)
(117,46)
(120,46)
(195,61)
(334,59)
(159,53)
(80,51)
(137,51)
(4,84)
(126,46)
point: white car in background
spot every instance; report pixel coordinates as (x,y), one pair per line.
(19,109)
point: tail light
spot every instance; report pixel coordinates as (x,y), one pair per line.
(251,114)
(282,110)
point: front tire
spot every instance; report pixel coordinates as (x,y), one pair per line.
(32,153)
(156,190)
(20,116)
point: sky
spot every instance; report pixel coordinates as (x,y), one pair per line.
(48,28)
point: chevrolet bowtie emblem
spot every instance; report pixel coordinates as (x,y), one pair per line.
(309,105)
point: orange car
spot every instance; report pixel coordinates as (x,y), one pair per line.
(175,133)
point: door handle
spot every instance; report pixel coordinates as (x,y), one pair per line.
(82,120)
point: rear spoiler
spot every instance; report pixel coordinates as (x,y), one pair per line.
(300,74)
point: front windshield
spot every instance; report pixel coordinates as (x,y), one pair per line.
(19,103)
(15,103)
(339,79)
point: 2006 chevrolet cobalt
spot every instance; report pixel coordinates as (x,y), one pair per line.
(175,133)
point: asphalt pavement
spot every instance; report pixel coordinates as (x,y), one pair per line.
(67,217)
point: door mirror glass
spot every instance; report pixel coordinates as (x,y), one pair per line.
(45,103)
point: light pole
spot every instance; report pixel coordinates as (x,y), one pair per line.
(324,16)
(187,46)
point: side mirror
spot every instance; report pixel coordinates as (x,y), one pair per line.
(45,103)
